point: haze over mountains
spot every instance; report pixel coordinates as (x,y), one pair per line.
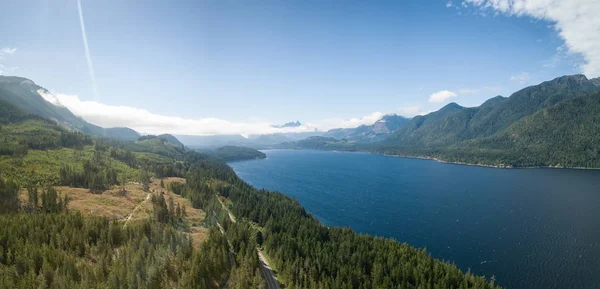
(27,95)
(554,123)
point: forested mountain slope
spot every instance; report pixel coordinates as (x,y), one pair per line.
(26,95)
(564,135)
(378,131)
(453,123)
(44,243)
(554,123)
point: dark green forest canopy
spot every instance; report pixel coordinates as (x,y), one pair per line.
(44,245)
(236,153)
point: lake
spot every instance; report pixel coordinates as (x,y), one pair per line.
(530,228)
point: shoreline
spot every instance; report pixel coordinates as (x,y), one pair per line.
(484,165)
(444,161)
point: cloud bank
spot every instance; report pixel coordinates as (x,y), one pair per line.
(576,21)
(441,96)
(145,121)
(521,77)
(4,52)
(8,50)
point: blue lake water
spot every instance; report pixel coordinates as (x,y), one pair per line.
(530,228)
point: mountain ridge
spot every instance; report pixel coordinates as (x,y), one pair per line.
(25,94)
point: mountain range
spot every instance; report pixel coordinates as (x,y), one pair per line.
(30,97)
(378,131)
(554,123)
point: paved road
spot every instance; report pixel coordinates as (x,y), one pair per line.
(264,265)
(267,272)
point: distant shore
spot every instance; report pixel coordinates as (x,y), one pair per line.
(502,166)
(498,166)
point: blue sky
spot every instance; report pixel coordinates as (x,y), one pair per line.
(245,64)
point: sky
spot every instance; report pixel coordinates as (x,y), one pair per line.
(240,67)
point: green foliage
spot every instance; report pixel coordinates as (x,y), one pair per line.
(25,95)
(322,143)
(92,175)
(453,123)
(566,134)
(554,123)
(235,153)
(70,251)
(52,202)
(310,255)
(145,179)
(9,197)
(159,146)
(162,213)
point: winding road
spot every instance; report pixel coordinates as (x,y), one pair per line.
(265,268)
(267,272)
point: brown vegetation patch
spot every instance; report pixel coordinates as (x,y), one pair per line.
(195,217)
(121,201)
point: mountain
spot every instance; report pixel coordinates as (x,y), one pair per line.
(258,141)
(234,153)
(378,131)
(564,135)
(454,123)
(171,139)
(132,202)
(554,123)
(596,81)
(289,124)
(26,95)
(211,141)
(319,143)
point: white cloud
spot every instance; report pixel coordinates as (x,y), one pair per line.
(576,21)
(521,77)
(441,96)
(330,123)
(8,50)
(466,91)
(449,4)
(411,110)
(4,68)
(147,122)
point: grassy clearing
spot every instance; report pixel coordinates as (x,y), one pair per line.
(41,167)
(121,201)
(193,223)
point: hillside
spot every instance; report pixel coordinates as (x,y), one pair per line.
(171,139)
(26,95)
(234,153)
(378,131)
(453,123)
(564,135)
(550,124)
(53,181)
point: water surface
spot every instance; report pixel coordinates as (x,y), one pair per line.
(530,228)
